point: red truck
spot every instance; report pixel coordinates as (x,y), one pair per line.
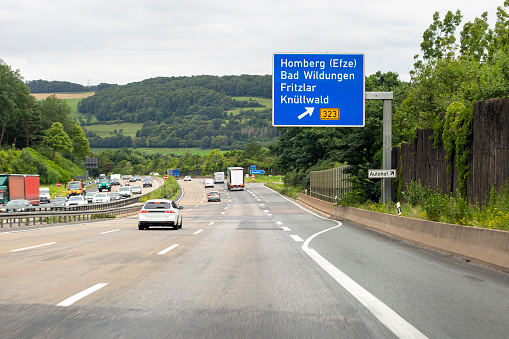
(19,186)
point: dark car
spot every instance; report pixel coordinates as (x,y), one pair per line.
(59,201)
(115,196)
(17,205)
(147,182)
(213,196)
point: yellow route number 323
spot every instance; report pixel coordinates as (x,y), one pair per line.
(329,113)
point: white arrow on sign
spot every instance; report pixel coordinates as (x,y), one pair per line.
(309,110)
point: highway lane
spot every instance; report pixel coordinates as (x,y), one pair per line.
(443,296)
(235,269)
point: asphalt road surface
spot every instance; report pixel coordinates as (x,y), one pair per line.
(255,265)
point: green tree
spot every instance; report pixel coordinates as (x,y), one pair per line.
(479,71)
(57,139)
(213,162)
(15,100)
(79,142)
(439,40)
(55,110)
(253,151)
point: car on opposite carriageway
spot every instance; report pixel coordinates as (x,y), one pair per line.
(147,182)
(125,191)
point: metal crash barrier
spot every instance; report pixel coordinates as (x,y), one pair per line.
(62,215)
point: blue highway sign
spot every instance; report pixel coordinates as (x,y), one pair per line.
(257,171)
(322,90)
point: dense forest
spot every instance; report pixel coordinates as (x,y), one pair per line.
(45,86)
(193,111)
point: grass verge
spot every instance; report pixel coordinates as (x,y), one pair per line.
(292,192)
(168,191)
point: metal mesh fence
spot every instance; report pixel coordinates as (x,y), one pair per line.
(329,185)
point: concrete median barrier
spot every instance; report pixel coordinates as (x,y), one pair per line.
(484,246)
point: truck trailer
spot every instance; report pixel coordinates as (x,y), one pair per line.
(174,173)
(19,186)
(235,178)
(219,178)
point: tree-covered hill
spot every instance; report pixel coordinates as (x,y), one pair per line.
(196,111)
(45,86)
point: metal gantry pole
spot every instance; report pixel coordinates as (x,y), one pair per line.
(386,97)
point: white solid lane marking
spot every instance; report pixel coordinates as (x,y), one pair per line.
(296,238)
(110,231)
(286,229)
(81,295)
(197,232)
(168,249)
(393,321)
(28,248)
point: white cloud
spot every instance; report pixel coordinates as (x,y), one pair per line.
(125,41)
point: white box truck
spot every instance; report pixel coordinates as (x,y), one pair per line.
(235,178)
(219,178)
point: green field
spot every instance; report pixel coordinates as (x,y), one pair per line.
(128,128)
(177,151)
(267,103)
(73,103)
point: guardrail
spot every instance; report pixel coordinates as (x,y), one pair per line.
(49,214)
(51,217)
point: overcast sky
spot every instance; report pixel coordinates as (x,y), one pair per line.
(123,41)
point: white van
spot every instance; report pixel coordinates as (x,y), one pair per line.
(125,191)
(209,183)
(44,195)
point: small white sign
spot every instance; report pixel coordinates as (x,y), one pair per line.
(380,173)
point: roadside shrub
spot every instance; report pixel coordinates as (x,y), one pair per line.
(168,191)
(458,210)
(415,193)
(435,204)
(495,214)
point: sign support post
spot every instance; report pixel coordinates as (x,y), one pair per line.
(327,90)
(386,97)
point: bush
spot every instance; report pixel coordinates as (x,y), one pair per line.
(415,193)
(434,204)
(437,206)
(495,214)
(167,191)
